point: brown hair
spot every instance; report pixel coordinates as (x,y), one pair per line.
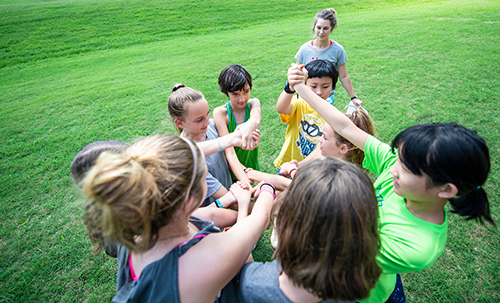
(177,101)
(327,14)
(327,226)
(143,188)
(87,155)
(362,120)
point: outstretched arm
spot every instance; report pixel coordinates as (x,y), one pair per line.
(332,115)
(214,261)
(210,147)
(251,125)
(243,196)
(280,182)
(220,119)
(284,104)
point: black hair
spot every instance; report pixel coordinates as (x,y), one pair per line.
(322,68)
(234,78)
(449,153)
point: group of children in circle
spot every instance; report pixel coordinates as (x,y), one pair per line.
(160,203)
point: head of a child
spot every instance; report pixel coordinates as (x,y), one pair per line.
(149,185)
(189,109)
(87,155)
(448,156)
(334,145)
(327,226)
(236,83)
(322,77)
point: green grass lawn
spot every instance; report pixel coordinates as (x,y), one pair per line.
(72,72)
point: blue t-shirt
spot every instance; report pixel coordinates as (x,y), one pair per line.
(259,283)
(334,53)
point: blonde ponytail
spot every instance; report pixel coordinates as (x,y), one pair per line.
(138,191)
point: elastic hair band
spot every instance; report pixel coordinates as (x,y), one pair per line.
(193,152)
(218,143)
(268,192)
(272,186)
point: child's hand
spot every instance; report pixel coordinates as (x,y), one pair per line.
(296,74)
(286,168)
(253,175)
(242,192)
(250,136)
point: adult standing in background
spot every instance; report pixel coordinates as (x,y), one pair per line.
(322,47)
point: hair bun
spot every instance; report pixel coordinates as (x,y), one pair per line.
(177,86)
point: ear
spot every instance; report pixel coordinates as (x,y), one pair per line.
(179,123)
(344,148)
(189,205)
(447,191)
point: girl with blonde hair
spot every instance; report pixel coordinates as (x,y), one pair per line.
(143,197)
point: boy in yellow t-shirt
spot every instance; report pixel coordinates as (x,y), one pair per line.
(305,125)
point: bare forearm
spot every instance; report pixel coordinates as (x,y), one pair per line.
(334,117)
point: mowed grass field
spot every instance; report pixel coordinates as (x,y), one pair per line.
(72,72)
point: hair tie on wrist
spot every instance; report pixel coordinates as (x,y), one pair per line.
(355,97)
(272,186)
(291,170)
(269,192)
(218,143)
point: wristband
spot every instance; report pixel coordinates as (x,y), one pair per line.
(355,97)
(291,170)
(217,202)
(268,192)
(287,89)
(267,183)
(218,143)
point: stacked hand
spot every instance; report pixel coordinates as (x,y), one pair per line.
(247,137)
(287,167)
(297,74)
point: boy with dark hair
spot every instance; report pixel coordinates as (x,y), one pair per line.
(305,125)
(243,112)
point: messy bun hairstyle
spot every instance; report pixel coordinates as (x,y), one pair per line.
(143,188)
(327,14)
